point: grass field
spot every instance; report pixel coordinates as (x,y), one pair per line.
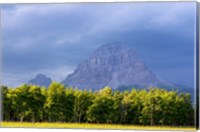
(91,126)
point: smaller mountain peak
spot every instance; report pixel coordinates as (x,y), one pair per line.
(40,75)
(40,80)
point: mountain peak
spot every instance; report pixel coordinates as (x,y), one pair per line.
(111,49)
(114,46)
(112,65)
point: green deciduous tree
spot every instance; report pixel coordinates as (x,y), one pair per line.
(55,103)
(82,102)
(102,110)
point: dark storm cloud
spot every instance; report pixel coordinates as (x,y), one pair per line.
(54,38)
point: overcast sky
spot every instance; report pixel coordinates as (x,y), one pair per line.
(54,38)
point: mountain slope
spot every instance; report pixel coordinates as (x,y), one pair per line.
(113,65)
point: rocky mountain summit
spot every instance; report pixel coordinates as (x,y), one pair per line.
(114,65)
(40,80)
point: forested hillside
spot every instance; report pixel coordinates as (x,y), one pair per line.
(57,103)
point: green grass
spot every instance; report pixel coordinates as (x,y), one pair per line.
(91,126)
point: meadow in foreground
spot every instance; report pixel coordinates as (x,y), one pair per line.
(92,126)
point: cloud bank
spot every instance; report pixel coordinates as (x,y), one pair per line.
(55,38)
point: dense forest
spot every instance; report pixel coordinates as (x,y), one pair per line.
(57,103)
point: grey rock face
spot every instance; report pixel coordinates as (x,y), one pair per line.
(41,80)
(111,65)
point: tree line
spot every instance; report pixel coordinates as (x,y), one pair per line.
(57,103)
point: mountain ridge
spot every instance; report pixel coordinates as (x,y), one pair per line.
(114,65)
